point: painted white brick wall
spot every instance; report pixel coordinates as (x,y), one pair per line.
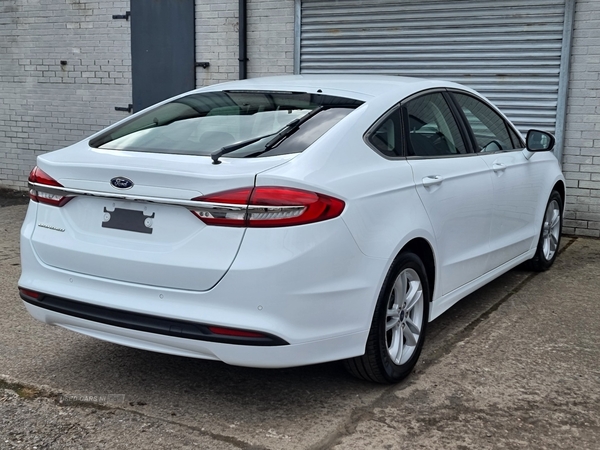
(217,40)
(270,37)
(270,34)
(45,105)
(581,160)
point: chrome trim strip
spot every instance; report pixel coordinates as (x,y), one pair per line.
(189,204)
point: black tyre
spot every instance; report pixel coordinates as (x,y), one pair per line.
(399,323)
(549,241)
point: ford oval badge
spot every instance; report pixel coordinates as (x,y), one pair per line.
(121,183)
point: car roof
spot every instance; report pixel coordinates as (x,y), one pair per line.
(360,87)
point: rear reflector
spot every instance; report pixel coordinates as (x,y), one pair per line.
(38,179)
(28,293)
(234,332)
(267,206)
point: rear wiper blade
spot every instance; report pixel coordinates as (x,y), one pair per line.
(289,129)
(286,131)
(233,147)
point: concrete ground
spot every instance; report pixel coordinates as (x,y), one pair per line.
(514,365)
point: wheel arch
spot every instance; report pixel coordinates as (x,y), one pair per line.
(559,186)
(422,248)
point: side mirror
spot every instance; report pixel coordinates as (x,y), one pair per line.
(539,141)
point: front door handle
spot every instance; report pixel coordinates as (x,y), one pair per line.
(432,179)
(497,167)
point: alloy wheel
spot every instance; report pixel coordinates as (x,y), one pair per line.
(551,230)
(404,318)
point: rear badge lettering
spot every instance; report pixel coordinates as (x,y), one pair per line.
(50,227)
(121,183)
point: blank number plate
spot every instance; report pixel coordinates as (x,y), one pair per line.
(128,220)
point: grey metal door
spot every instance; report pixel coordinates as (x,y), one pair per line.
(162,50)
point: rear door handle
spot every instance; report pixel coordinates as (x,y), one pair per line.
(432,179)
(497,167)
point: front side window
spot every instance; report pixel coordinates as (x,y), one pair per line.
(432,129)
(490,129)
(516,139)
(202,123)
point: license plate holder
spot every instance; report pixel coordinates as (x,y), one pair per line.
(128,220)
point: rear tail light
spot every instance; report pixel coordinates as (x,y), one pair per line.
(266,206)
(38,180)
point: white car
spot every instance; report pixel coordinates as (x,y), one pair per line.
(287,221)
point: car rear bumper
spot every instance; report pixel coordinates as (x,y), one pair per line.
(145,322)
(313,291)
(314,352)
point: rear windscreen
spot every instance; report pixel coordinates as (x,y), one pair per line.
(202,123)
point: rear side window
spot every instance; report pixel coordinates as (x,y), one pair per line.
(432,129)
(385,137)
(201,123)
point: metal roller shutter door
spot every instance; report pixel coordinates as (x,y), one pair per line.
(509,50)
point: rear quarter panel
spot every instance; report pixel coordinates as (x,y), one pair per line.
(383,211)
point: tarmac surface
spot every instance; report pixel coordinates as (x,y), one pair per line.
(516,365)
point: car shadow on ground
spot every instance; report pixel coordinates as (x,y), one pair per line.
(190,387)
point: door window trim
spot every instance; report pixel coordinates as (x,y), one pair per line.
(464,127)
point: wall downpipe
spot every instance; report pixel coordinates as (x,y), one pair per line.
(243,15)
(563,80)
